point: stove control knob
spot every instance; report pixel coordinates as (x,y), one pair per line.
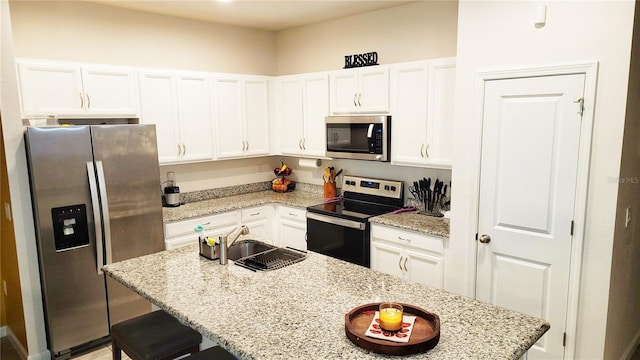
(393,188)
(386,187)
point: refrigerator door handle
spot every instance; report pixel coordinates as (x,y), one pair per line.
(104,203)
(97,220)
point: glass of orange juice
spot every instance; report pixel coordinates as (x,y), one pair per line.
(391,316)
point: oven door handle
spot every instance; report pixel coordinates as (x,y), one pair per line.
(337,221)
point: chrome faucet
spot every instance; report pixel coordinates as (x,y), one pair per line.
(224,243)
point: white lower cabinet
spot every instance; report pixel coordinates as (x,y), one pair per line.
(292,227)
(259,220)
(181,233)
(280,225)
(407,254)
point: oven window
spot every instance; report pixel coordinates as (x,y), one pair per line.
(353,138)
(340,242)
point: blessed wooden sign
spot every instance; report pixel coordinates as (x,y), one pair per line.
(360,60)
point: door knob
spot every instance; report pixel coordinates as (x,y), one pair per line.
(485,239)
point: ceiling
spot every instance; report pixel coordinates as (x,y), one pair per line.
(273,15)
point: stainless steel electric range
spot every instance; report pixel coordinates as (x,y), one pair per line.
(340,227)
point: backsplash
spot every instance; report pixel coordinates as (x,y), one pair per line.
(208,194)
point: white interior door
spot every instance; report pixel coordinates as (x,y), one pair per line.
(530,140)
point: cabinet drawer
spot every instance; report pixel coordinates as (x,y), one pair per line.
(293,214)
(211,222)
(256,213)
(408,238)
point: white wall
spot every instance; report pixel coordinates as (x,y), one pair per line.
(87,32)
(496,35)
(20,194)
(417,31)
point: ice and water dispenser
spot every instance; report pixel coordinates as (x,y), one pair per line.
(70,228)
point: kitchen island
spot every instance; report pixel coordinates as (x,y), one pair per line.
(297,312)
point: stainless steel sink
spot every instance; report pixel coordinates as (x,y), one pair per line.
(245,248)
(258,256)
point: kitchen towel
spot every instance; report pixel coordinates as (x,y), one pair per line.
(401,335)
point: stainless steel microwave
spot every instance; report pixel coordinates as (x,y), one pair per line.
(359,137)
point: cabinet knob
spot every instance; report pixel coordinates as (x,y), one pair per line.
(485,239)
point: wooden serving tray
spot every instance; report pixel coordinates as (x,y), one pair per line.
(425,334)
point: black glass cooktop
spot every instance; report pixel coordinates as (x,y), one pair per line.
(352,209)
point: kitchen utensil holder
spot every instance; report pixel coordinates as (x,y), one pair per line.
(209,252)
(329,190)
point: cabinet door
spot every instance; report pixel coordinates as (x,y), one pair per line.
(424,268)
(292,227)
(373,96)
(344,91)
(109,90)
(387,259)
(293,234)
(442,81)
(50,89)
(256,111)
(194,109)
(316,108)
(291,129)
(158,105)
(228,117)
(259,220)
(409,85)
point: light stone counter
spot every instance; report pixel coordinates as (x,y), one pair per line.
(297,198)
(298,312)
(300,199)
(438,226)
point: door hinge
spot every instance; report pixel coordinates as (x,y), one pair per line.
(572,227)
(476,236)
(564,339)
(580,102)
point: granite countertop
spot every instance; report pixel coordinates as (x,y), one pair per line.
(438,226)
(300,199)
(297,312)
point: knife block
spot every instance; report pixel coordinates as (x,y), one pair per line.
(329,190)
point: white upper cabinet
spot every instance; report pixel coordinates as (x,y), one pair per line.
(360,90)
(194,113)
(241,115)
(180,107)
(74,90)
(422,95)
(303,103)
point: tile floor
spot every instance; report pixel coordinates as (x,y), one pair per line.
(7,352)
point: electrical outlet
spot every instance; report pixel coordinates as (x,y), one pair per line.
(7,211)
(4,287)
(627,220)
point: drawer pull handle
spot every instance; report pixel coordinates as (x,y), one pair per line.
(292,214)
(255,214)
(403,239)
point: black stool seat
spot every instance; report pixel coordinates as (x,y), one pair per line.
(153,336)
(214,353)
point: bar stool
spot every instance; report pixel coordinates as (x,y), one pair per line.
(214,353)
(153,336)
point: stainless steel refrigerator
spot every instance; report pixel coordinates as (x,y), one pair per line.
(96,200)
